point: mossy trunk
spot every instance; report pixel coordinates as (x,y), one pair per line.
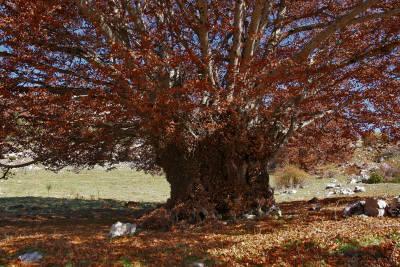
(214,182)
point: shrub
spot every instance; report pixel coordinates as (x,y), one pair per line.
(290,176)
(390,169)
(375,178)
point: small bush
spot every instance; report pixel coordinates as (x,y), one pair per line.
(375,178)
(290,176)
(390,170)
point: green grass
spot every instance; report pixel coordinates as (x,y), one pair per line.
(315,187)
(120,184)
(125,184)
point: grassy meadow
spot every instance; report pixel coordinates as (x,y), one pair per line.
(119,184)
(124,184)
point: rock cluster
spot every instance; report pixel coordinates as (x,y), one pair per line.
(273,211)
(338,190)
(373,207)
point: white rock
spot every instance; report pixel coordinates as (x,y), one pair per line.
(290,191)
(249,216)
(332,185)
(346,191)
(274,211)
(359,189)
(30,257)
(122,229)
(375,207)
(197,264)
(353,181)
(364,175)
(330,193)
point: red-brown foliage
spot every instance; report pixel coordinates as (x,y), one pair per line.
(208,91)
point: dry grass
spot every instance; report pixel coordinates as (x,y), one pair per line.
(290,176)
(392,169)
(352,170)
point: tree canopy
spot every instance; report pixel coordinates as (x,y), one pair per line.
(220,86)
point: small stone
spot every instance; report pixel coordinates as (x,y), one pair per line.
(275,211)
(122,229)
(315,207)
(364,176)
(375,207)
(330,193)
(353,181)
(30,257)
(197,264)
(359,189)
(249,216)
(290,191)
(332,186)
(346,191)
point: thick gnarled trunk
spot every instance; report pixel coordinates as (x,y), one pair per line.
(213,182)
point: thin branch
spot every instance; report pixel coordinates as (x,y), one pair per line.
(337,25)
(20,165)
(7,167)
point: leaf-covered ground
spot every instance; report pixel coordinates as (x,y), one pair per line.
(78,237)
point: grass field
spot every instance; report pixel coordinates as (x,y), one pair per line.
(125,184)
(119,184)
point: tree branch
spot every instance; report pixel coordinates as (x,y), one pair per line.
(237,42)
(253,30)
(202,31)
(7,167)
(338,24)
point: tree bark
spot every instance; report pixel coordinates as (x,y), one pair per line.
(215,182)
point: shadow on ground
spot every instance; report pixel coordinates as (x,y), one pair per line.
(27,206)
(73,232)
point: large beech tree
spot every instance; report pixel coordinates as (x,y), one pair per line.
(208,92)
